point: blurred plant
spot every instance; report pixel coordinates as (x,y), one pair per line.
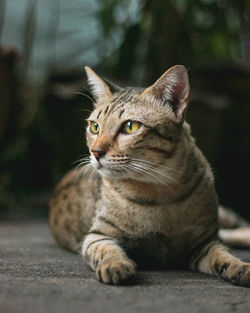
(163,33)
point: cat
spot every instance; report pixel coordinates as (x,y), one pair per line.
(152,202)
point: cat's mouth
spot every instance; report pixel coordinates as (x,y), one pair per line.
(112,171)
(111,167)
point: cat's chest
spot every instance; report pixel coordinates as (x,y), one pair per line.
(141,219)
(138,217)
(137,212)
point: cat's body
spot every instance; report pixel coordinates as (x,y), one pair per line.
(154,202)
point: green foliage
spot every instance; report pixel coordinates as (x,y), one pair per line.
(182,31)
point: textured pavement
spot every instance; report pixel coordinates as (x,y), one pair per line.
(37,276)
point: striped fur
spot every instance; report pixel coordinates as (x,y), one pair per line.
(152,201)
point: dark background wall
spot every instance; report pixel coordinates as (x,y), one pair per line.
(44,98)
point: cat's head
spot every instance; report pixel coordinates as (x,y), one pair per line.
(132,132)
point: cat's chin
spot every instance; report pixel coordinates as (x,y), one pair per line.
(112,173)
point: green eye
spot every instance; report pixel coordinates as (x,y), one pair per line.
(130,127)
(94,127)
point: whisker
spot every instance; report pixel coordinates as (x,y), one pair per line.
(83,155)
(85,158)
(81,110)
(153,163)
(87,171)
(155,178)
(166,173)
(146,173)
(157,164)
(81,162)
(153,169)
(84,94)
(124,167)
(86,87)
(82,165)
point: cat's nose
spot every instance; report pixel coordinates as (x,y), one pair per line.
(98,153)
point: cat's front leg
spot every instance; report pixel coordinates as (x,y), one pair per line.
(215,259)
(104,255)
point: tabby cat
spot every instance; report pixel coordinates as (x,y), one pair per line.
(152,201)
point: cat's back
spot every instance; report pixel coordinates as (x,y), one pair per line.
(72,208)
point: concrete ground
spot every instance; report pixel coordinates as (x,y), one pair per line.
(37,276)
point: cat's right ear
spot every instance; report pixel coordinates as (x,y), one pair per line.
(100,88)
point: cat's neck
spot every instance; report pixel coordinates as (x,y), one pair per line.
(144,190)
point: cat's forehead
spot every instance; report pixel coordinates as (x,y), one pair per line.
(121,102)
(126,94)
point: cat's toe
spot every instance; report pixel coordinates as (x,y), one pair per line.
(115,272)
(239,274)
(242,276)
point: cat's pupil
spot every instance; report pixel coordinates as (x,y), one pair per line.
(130,125)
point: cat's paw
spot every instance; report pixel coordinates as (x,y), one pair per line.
(115,271)
(238,274)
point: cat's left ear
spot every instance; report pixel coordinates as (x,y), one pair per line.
(100,88)
(172,88)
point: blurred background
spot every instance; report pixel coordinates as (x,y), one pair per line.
(44,98)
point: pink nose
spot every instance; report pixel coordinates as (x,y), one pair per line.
(98,153)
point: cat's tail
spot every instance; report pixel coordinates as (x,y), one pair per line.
(229,219)
(234,230)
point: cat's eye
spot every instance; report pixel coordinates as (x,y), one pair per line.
(130,127)
(94,127)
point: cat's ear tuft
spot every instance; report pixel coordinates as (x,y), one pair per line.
(99,87)
(172,88)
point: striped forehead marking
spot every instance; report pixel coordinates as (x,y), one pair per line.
(121,100)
